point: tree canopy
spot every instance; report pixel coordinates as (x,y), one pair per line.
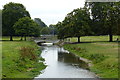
(45,31)
(53,29)
(94,19)
(40,22)
(75,24)
(26,27)
(106,18)
(11,13)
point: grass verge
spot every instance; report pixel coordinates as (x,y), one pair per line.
(104,56)
(20,59)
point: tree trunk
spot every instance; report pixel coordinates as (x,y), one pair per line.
(110,34)
(21,38)
(78,39)
(110,37)
(11,39)
(25,38)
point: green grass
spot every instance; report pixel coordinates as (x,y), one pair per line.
(93,38)
(7,38)
(104,55)
(13,64)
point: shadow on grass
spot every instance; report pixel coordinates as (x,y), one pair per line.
(91,42)
(12,41)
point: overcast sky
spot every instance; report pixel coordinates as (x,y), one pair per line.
(50,11)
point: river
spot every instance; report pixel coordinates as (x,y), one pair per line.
(62,64)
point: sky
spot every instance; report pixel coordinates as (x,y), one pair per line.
(49,11)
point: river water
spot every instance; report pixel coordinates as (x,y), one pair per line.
(62,64)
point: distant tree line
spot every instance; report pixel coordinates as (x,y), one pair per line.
(44,29)
(94,18)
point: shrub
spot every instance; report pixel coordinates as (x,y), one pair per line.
(27,53)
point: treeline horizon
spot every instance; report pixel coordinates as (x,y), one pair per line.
(94,19)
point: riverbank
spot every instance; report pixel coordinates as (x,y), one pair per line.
(104,55)
(20,59)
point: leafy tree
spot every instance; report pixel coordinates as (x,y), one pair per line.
(106,17)
(60,30)
(80,23)
(75,24)
(26,27)
(42,25)
(53,29)
(11,13)
(45,31)
(40,22)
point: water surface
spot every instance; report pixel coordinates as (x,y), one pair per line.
(62,64)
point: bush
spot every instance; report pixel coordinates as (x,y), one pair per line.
(27,53)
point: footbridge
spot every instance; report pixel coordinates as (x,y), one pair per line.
(46,39)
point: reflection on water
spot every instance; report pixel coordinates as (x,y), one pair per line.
(71,59)
(62,64)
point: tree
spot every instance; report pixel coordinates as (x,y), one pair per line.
(106,17)
(26,27)
(11,13)
(81,23)
(60,30)
(53,29)
(76,24)
(42,25)
(40,22)
(45,31)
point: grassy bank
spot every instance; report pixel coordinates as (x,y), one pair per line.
(104,55)
(20,59)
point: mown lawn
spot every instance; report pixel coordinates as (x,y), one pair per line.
(20,59)
(104,55)
(93,38)
(15,38)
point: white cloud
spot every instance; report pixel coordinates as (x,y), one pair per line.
(50,11)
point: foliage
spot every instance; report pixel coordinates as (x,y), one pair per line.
(45,31)
(93,19)
(105,18)
(75,24)
(53,29)
(26,27)
(40,22)
(61,30)
(11,13)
